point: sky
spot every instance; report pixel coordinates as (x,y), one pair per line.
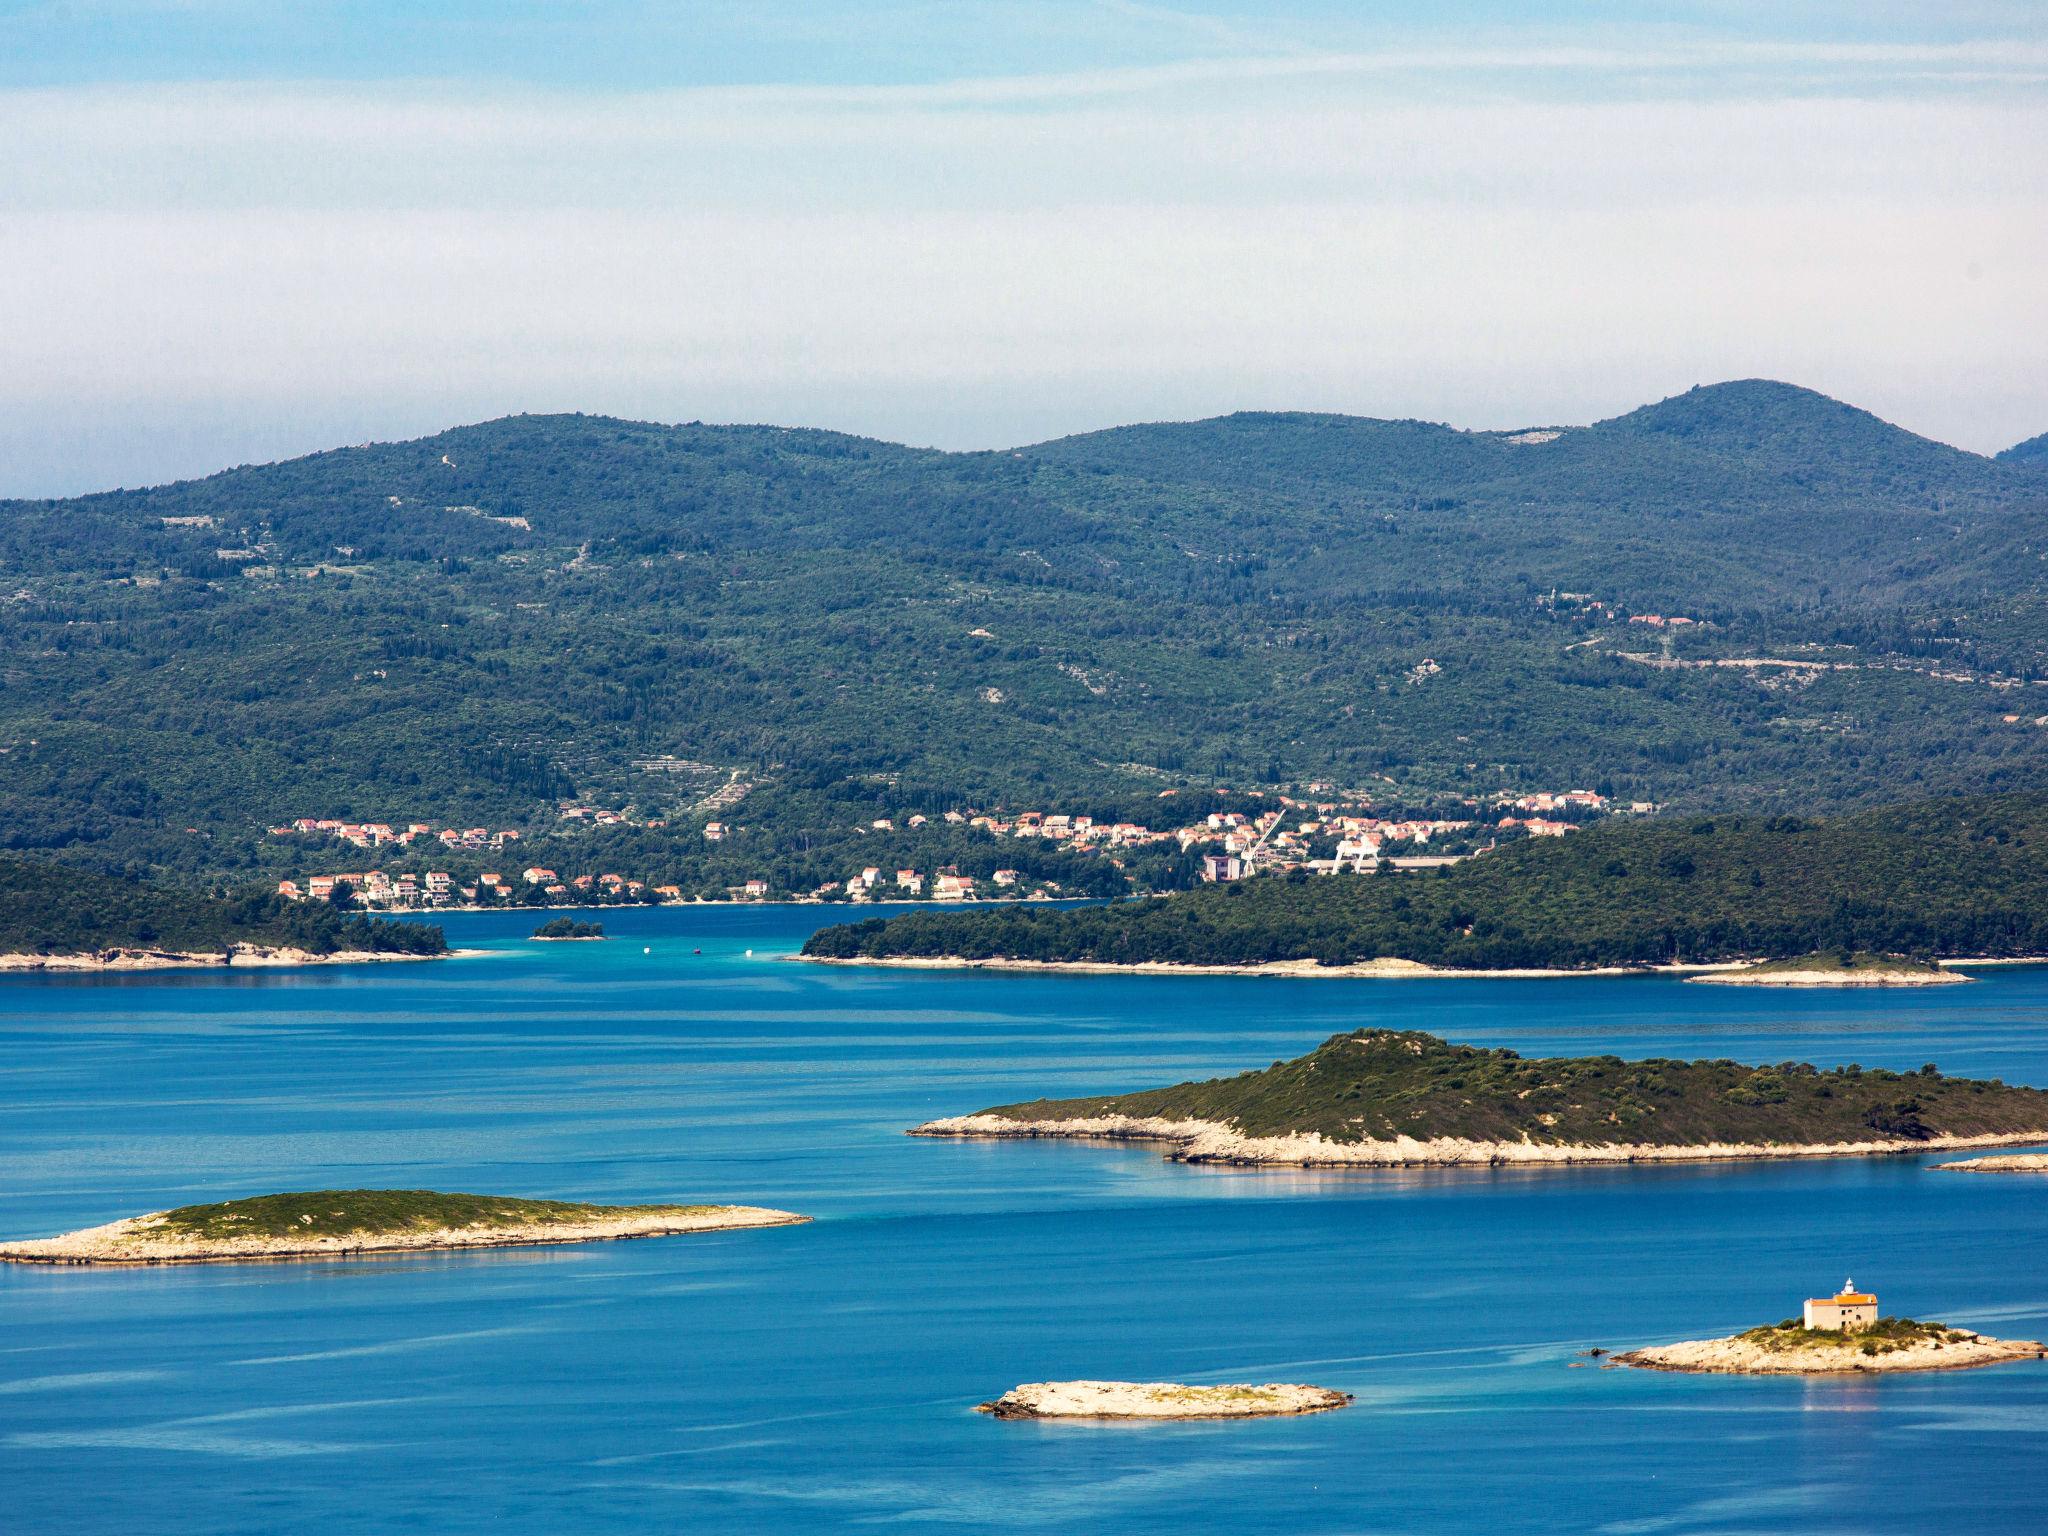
(237,230)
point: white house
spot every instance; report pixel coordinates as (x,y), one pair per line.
(1848,1311)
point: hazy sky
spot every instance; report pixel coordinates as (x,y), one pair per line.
(233,230)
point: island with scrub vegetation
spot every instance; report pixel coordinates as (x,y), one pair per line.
(1955,879)
(1791,1348)
(1160,1400)
(568,928)
(1396,1097)
(340,1223)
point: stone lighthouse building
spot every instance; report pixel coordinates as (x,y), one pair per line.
(1849,1310)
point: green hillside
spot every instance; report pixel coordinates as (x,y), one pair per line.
(2034,448)
(53,910)
(1378,1084)
(476,625)
(1944,877)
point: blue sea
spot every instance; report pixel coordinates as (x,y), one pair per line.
(823,1377)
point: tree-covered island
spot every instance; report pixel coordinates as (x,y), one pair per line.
(1381,1096)
(1957,877)
(54,916)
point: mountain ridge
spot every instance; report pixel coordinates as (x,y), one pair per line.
(507,614)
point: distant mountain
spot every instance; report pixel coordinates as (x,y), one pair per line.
(2033,450)
(482,623)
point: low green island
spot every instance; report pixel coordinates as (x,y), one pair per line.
(1959,878)
(328,1223)
(1791,1348)
(58,918)
(568,928)
(1397,1097)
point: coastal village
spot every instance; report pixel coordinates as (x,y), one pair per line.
(1333,832)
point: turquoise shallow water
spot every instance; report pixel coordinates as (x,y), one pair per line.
(822,1378)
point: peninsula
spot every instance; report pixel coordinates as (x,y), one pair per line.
(1836,970)
(342,1223)
(1159,1400)
(56,918)
(1402,1098)
(1953,879)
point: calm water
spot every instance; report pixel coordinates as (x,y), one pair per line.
(822,1378)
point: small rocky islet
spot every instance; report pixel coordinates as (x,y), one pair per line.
(1851,970)
(1836,1335)
(343,1223)
(1161,1400)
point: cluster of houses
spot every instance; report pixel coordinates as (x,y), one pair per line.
(382,834)
(597,816)
(1285,833)
(374,888)
(1599,607)
(436,888)
(946,885)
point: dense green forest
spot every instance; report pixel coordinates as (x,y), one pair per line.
(1940,877)
(1379,1084)
(475,626)
(50,910)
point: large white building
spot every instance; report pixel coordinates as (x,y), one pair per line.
(1848,1311)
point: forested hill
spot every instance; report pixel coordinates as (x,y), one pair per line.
(477,625)
(1945,878)
(46,910)
(2034,449)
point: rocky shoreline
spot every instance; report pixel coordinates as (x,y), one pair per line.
(1738,1356)
(1204,1141)
(241,956)
(139,1240)
(1387,968)
(2018,1162)
(1827,978)
(1392,968)
(1160,1400)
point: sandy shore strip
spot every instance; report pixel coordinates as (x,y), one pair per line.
(1387,969)
(1160,1400)
(1205,1141)
(241,956)
(1942,978)
(136,1239)
(1742,1357)
(2018,1162)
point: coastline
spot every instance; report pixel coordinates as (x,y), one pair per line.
(1738,1356)
(2020,1162)
(1208,1141)
(240,957)
(128,1243)
(1818,978)
(1386,968)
